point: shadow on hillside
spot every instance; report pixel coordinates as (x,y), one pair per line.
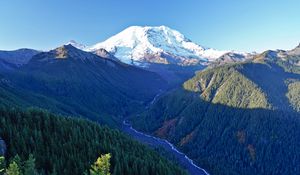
(272,80)
(175,75)
(223,139)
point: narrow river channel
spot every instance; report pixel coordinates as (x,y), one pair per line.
(181,158)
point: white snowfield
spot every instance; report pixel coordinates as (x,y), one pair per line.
(135,42)
(158,44)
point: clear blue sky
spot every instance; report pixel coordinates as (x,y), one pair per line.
(245,25)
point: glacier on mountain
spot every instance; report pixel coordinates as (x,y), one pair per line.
(136,42)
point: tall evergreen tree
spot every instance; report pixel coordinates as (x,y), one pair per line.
(13,169)
(117,169)
(18,161)
(59,142)
(2,165)
(29,166)
(101,166)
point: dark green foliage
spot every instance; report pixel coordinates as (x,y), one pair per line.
(222,118)
(19,167)
(234,119)
(272,79)
(289,64)
(174,74)
(226,140)
(294,94)
(70,81)
(63,145)
(101,166)
(29,166)
(18,161)
(2,165)
(246,85)
(13,169)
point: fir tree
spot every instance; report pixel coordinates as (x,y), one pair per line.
(29,166)
(13,169)
(101,166)
(2,165)
(117,169)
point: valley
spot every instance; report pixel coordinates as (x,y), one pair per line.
(155,142)
(200,110)
(232,113)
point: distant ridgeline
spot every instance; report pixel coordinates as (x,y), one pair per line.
(232,118)
(240,118)
(73,82)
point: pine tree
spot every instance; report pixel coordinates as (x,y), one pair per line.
(2,165)
(29,166)
(54,172)
(144,171)
(101,166)
(117,169)
(13,169)
(18,161)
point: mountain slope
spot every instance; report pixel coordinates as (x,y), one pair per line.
(18,57)
(223,139)
(234,119)
(65,145)
(227,85)
(71,81)
(264,82)
(12,59)
(142,45)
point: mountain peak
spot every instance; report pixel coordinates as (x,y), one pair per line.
(65,52)
(295,51)
(158,44)
(76,44)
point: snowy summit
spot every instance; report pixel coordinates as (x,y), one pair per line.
(77,45)
(161,44)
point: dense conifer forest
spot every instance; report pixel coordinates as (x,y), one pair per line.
(63,145)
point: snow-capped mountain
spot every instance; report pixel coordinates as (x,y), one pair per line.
(138,45)
(77,45)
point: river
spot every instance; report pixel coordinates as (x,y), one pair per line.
(181,158)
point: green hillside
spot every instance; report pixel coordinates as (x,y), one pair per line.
(70,81)
(66,145)
(227,85)
(233,119)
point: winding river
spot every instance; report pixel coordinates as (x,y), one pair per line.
(181,158)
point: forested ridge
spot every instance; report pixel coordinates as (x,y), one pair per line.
(232,119)
(69,81)
(226,140)
(240,118)
(66,145)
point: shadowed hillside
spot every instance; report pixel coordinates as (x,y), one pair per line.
(233,119)
(70,81)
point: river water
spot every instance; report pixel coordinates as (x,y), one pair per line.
(181,158)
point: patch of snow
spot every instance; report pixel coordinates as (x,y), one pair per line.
(77,45)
